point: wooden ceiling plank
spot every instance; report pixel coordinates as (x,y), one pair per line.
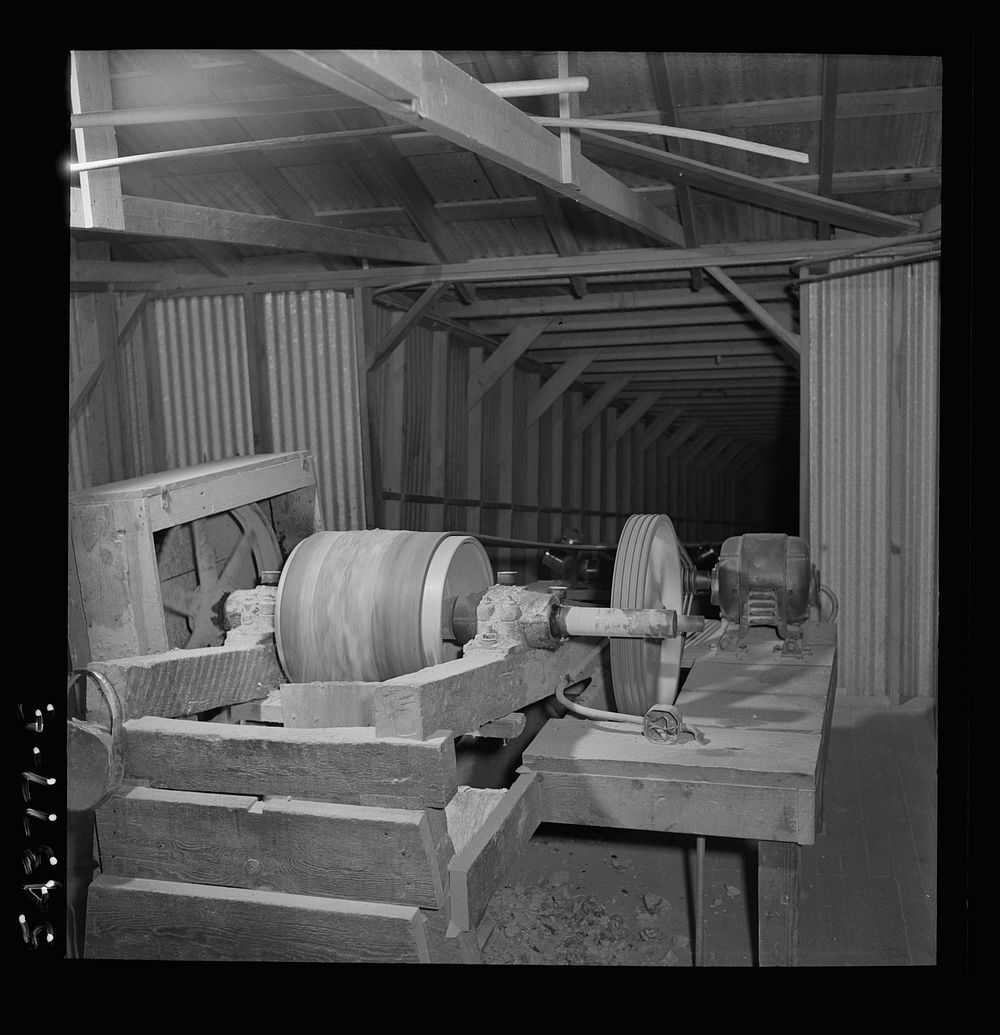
(510,349)
(669,319)
(633,414)
(101,190)
(597,404)
(154,218)
(827,138)
(718,448)
(399,329)
(557,385)
(426,90)
(750,189)
(792,347)
(653,336)
(679,437)
(659,426)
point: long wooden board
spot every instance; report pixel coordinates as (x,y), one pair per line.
(135,919)
(288,845)
(467,693)
(740,756)
(479,869)
(185,682)
(340,765)
(679,806)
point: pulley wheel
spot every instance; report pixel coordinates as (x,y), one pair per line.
(366,605)
(648,573)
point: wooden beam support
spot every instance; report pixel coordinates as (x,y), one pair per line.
(424,89)
(597,404)
(792,345)
(632,414)
(679,437)
(513,346)
(659,426)
(556,385)
(101,190)
(671,319)
(150,217)
(718,448)
(664,94)
(740,187)
(664,336)
(827,137)
(401,327)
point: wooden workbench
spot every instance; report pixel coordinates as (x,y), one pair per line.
(758,774)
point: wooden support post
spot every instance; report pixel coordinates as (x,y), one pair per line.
(633,414)
(399,329)
(789,341)
(474,471)
(659,426)
(598,403)
(679,437)
(777,903)
(101,190)
(560,381)
(828,138)
(437,431)
(505,356)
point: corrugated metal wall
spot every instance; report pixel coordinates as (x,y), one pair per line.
(202,377)
(312,393)
(872,494)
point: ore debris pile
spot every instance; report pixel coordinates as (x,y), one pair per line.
(545,922)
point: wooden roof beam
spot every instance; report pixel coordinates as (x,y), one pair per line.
(752,190)
(827,138)
(423,89)
(792,347)
(659,426)
(634,413)
(149,217)
(101,189)
(399,329)
(679,437)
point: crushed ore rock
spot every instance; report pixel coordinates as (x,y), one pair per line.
(732,891)
(717,902)
(542,923)
(670,960)
(652,902)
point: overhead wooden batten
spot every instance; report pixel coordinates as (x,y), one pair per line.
(423,89)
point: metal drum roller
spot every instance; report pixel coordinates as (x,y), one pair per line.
(367,605)
(649,572)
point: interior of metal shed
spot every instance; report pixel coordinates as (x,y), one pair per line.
(522,296)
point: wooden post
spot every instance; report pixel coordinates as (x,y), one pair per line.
(777,903)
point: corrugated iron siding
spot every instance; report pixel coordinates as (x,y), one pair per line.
(873,389)
(313,394)
(204,388)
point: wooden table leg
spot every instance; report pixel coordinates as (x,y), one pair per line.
(777,903)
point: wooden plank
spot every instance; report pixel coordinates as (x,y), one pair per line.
(187,682)
(132,918)
(635,411)
(296,516)
(659,426)
(678,438)
(755,191)
(558,383)
(747,709)
(711,674)
(507,727)
(287,845)
(151,217)
(778,865)
(398,331)
(320,704)
(790,341)
(118,579)
(339,764)
(462,110)
(100,190)
(475,689)
(480,867)
(670,318)
(677,806)
(745,756)
(503,358)
(827,137)
(598,403)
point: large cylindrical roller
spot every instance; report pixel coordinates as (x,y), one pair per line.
(648,573)
(366,605)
